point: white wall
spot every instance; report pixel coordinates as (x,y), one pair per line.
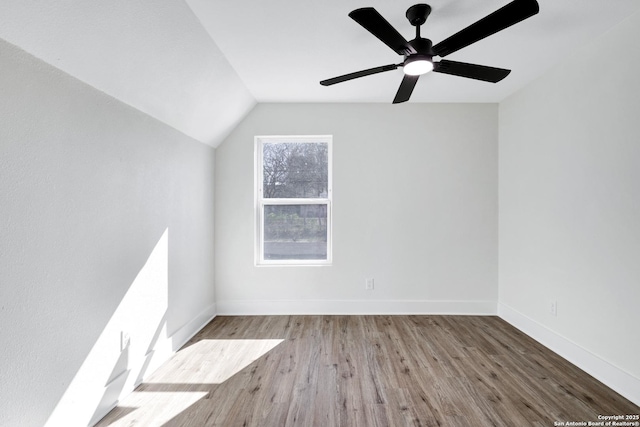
(415,208)
(105,225)
(570,204)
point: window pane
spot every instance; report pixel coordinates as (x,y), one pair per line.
(295,170)
(295,232)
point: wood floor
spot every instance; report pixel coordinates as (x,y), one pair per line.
(365,371)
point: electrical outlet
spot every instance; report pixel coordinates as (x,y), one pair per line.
(125,340)
(368,284)
(553,308)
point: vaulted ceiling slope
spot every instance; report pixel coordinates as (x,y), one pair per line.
(201,65)
(151,54)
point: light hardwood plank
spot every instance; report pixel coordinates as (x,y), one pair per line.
(368,371)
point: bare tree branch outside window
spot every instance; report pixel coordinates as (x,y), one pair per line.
(295,170)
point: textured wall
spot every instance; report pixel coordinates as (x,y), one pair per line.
(106,225)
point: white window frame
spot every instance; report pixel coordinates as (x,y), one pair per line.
(260,201)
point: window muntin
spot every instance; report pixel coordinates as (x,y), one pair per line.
(293,200)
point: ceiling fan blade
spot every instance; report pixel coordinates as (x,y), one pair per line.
(373,22)
(405,89)
(472,71)
(512,13)
(358,74)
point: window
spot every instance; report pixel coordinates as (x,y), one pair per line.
(293,200)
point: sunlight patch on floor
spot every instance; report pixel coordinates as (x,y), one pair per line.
(212,361)
(159,407)
(186,378)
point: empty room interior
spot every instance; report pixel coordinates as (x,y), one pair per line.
(195,231)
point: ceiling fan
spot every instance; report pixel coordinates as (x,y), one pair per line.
(419,52)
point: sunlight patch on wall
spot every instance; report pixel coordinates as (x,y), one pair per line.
(121,353)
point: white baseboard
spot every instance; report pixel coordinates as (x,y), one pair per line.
(355,307)
(612,376)
(186,332)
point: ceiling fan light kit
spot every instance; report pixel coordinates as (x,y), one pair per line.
(417,65)
(419,53)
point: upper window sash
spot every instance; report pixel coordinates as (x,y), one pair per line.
(294,167)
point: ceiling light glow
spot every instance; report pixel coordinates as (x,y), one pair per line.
(417,67)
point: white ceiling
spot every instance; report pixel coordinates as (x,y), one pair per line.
(201,65)
(281,49)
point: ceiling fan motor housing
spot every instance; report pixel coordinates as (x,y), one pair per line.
(423,52)
(421,46)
